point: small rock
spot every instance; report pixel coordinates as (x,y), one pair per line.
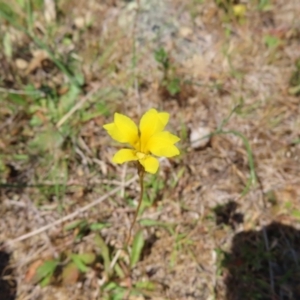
(199,137)
(186,32)
(21,63)
(49,10)
(79,22)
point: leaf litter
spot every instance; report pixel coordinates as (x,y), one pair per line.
(241,73)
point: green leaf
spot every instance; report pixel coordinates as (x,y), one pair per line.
(88,258)
(264,5)
(150,223)
(117,292)
(47,140)
(79,263)
(137,247)
(74,225)
(8,51)
(2,165)
(161,57)
(21,3)
(295,90)
(271,41)
(146,285)
(119,271)
(104,253)
(110,286)
(296,214)
(17,99)
(173,86)
(35,121)
(99,226)
(68,100)
(288,205)
(46,281)
(45,271)
(21,157)
(296,141)
(89,116)
(7,11)
(80,78)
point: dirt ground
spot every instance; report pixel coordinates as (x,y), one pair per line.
(219,221)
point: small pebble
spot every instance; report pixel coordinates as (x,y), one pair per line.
(79,22)
(21,63)
(199,138)
(185,32)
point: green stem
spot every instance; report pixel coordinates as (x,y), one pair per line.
(141,172)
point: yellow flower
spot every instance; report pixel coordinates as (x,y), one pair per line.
(150,139)
(239,10)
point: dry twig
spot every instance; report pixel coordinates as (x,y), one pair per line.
(70,216)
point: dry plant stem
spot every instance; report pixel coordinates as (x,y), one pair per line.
(141,172)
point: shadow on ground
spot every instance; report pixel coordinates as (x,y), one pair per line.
(264,265)
(8,286)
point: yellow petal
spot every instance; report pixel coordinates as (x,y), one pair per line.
(168,151)
(162,144)
(123,129)
(152,122)
(113,131)
(124,155)
(150,164)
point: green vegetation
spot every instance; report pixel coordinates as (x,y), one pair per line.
(67,66)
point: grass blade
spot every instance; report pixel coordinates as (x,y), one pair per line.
(137,247)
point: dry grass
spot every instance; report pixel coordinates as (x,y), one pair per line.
(224,229)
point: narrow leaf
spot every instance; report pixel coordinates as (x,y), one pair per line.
(99,226)
(137,247)
(150,223)
(104,253)
(119,271)
(79,263)
(87,258)
(46,269)
(146,285)
(73,225)
(18,99)
(46,281)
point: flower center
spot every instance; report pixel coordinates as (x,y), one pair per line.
(140,155)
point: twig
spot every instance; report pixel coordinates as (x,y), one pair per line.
(85,160)
(114,260)
(14,203)
(40,221)
(123,176)
(82,144)
(72,215)
(77,106)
